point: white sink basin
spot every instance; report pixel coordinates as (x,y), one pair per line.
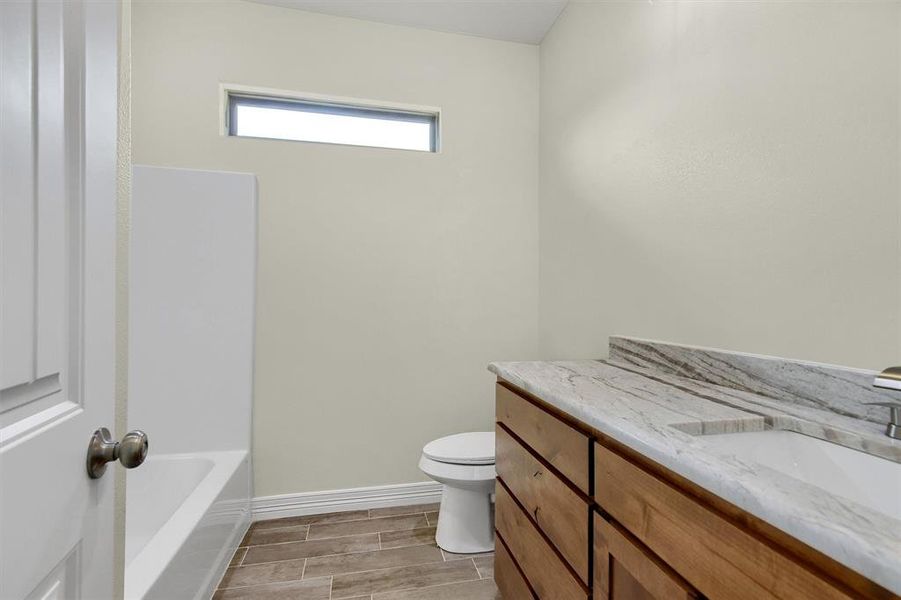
(869,480)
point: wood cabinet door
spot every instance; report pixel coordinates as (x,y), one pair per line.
(625,570)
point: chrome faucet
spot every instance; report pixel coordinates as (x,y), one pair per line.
(890,379)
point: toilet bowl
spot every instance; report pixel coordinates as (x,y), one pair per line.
(464,463)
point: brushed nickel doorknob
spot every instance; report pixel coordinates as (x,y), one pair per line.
(131,451)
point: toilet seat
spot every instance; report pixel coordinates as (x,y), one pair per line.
(474,448)
(462,475)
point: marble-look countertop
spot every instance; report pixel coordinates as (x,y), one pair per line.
(661,415)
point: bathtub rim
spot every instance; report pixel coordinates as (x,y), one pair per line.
(152,561)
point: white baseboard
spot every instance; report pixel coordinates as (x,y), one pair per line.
(311,503)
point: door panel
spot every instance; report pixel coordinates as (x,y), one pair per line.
(58,110)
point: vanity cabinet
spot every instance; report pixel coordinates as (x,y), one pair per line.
(625,570)
(580,516)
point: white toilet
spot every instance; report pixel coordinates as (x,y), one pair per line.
(464,463)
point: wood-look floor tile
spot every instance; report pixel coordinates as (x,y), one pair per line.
(318,532)
(368,561)
(432,517)
(335,517)
(409,537)
(482,589)
(237,557)
(455,556)
(258,537)
(400,578)
(295,550)
(402,510)
(485,565)
(308,589)
(275,572)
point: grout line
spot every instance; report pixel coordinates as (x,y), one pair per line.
(306,534)
(414,510)
(443,555)
(258,529)
(311,525)
(258,584)
(380,540)
(377,519)
(331,584)
(429,587)
(479,573)
(303,571)
(427,520)
(253,585)
(425,564)
(337,537)
(253,525)
(269,562)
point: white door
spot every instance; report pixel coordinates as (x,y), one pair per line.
(58,115)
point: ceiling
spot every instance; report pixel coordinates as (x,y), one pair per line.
(512,20)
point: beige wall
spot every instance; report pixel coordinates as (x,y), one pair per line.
(387,279)
(723,174)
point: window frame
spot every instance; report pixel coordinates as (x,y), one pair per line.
(234,96)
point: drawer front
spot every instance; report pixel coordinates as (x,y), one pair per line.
(624,570)
(509,580)
(546,573)
(565,448)
(715,556)
(559,511)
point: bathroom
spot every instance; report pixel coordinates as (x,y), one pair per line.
(445,299)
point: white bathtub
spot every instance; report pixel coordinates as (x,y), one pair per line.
(185,515)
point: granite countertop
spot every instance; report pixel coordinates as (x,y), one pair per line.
(659,399)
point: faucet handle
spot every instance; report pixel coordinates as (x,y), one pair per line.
(893,429)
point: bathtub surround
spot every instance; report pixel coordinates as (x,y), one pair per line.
(664,416)
(193,271)
(191,325)
(723,174)
(374,287)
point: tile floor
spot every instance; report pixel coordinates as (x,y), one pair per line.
(379,554)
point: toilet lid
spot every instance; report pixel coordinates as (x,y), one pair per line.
(476,448)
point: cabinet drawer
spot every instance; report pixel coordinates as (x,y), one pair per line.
(509,580)
(710,552)
(547,574)
(624,570)
(565,448)
(559,511)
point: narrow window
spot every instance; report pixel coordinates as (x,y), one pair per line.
(331,123)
